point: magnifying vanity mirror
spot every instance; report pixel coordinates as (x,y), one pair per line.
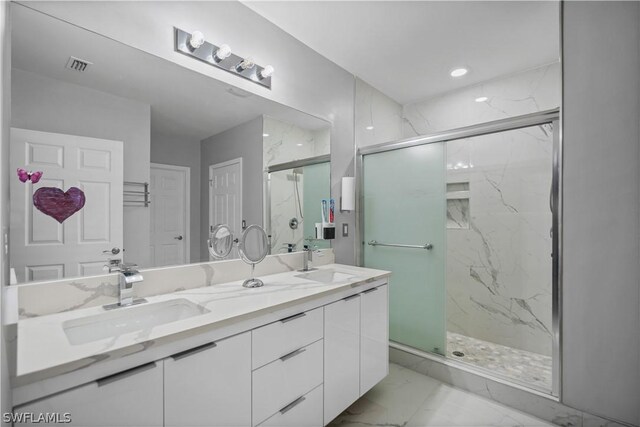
(140,164)
(220,241)
(253,247)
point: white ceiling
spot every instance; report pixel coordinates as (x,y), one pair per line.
(406,49)
(183,102)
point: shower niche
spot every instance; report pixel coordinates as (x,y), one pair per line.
(458,205)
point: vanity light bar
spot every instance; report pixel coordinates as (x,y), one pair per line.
(221,57)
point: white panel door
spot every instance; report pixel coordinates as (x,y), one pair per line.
(341,355)
(374,337)
(43,249)
(169,215)
(225,196)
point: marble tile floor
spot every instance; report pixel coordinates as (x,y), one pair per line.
(525,367)
(406,398)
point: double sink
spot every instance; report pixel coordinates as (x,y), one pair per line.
(114,323)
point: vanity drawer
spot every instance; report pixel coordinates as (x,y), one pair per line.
(305,411)
(276,339)
(284,380)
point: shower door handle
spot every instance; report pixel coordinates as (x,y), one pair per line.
(427,246)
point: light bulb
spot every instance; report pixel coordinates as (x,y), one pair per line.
(196,40)
(369,128)
(246,64)
(267,71)
(459,72)
(481,99)
(223,52)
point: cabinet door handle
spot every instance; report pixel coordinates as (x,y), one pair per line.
(349,298)
(125,374)
(292,354)
(294,317)
(191,351)
(370,290)
(293,404)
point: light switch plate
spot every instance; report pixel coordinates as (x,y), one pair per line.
(345,229)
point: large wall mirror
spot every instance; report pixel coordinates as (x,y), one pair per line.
(118,155)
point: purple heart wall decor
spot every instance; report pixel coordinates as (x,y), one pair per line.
(58,204)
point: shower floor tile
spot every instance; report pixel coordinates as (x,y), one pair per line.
(532,369)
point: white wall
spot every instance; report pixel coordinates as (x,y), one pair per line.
(48,105)
(243,141)
(601,269)
(5,118)
(303,80)
(180,151)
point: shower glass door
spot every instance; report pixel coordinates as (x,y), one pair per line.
(405,204)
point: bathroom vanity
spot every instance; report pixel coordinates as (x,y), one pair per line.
(295,352)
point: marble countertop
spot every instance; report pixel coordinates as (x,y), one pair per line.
(43,344)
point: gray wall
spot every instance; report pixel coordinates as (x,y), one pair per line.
(179,151)
(601,297)
(48,105)
(304,79)
(244,141)
(5,119)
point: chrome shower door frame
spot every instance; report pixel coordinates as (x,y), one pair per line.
(513,123)
(266,208)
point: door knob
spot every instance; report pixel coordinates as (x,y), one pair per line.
(178,237)
(114,251)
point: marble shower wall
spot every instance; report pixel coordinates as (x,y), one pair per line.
(285,142)
(378,118)
(498,219)
(499,265)
(286,204)
(513,95)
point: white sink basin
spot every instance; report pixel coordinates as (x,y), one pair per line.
(325,276)
(129,319)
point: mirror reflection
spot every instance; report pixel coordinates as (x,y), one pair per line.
(112,159)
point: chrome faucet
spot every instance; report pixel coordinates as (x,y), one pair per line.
(128,275)
(307,257)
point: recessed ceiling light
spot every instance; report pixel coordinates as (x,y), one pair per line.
(265,135)
(299,145)
(459,72)
(369,128)
(481,99)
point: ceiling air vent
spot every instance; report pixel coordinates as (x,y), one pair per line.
(78,64)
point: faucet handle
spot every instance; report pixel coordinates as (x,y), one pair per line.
(128,267)
(113,265)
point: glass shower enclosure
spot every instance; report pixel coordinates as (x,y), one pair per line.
(467,222)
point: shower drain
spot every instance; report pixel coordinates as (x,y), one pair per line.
(458,353)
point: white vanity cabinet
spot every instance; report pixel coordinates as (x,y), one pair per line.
(209,385)
(356,355)
(341,355)
(287,376)
(301,370)
(129,398)
(374,337)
